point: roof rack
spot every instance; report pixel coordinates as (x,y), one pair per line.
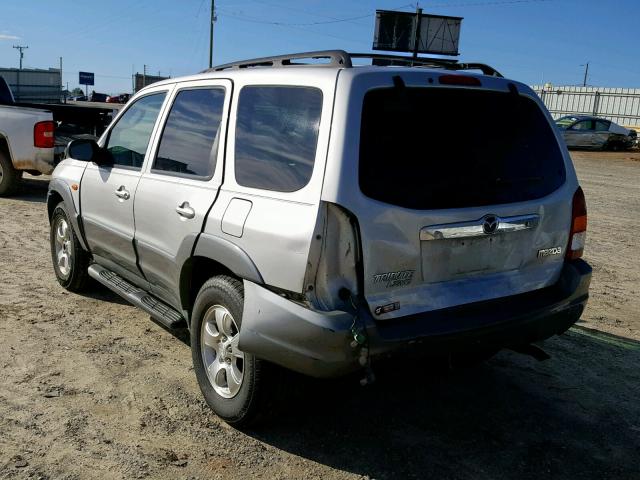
(337,58)
(340,58)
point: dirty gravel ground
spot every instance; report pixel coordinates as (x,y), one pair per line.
(91,388)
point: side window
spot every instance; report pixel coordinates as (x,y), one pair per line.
(602,126)
(276,136)
(189,142)
(583,125)
(129,138)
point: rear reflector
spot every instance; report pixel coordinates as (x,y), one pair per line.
(459,80)
(578,235)
(43,136)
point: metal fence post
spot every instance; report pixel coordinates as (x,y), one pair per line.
(596,103)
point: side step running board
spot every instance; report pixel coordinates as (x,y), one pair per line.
(160,311)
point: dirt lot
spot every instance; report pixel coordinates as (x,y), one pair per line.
(91,388)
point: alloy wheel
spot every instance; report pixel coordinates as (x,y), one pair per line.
(63,247)
(223,361)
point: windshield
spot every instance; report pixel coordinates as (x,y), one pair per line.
(435,148)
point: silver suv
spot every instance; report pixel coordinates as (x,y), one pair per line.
(319,216)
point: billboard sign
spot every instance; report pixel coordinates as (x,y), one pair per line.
(397,31)
(86,78)
(140,81)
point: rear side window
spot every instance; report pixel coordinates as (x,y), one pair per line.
(189,143)
(583,125)
(276,136)
(129,138)
(435,148)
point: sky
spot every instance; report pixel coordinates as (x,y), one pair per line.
(534,41)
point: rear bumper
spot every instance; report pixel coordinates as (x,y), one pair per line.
(318,343)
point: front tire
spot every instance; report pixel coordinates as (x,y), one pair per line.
(70,261)
(236,385)
(9,176)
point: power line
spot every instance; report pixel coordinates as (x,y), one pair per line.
(303,11)
(295,27)
(287,24)
(251,19)
(485,4)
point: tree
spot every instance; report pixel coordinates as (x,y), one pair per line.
(77,91)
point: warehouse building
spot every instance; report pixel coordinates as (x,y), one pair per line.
(34,85)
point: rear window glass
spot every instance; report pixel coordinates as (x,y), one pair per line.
(276,136)
(565,122)
(435,148)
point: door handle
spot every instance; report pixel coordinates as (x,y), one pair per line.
(123,193)
(185,210)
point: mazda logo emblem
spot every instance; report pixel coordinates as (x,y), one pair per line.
(490,224)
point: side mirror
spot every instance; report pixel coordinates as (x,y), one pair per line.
(87,150)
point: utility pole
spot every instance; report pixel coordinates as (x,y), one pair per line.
(65,95)
(144,76)
(416,33)
(21,48)
(586,73)
(213,19)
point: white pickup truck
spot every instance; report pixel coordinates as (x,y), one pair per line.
(26,141)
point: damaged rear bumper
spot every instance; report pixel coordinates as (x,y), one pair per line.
(319,343)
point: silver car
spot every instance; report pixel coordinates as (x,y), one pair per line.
(314,216)
(593,132)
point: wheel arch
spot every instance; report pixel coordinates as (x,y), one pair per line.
(4,146)
(59,191)
(212,256)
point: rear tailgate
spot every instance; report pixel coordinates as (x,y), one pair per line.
(465,193)
(18,125)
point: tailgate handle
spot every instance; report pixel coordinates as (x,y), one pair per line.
(485,226)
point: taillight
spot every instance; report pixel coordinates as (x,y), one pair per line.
(463,80)
(578,234)
(43,134)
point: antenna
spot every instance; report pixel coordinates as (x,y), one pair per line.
(21,48)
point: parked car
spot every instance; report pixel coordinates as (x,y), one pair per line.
(98,97)
(315,217)
(26,141)
(580,131)
(122,98)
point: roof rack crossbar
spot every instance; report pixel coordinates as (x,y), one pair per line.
(340,58)
(451,64)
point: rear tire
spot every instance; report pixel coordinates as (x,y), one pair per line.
(238,387)
(70,261)
(9,176)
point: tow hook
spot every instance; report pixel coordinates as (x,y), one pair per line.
(360,340)
(533,351)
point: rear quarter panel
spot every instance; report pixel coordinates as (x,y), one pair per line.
(278,229)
